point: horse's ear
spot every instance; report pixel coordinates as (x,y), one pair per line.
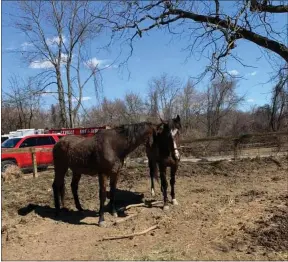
(162,121)
(178,118)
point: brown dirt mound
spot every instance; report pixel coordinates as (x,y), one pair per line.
(272,234)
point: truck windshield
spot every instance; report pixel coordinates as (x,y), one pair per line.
(10,143)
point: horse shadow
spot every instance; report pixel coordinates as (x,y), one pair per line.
(123,198)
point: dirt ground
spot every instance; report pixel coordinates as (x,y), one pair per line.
(227,211)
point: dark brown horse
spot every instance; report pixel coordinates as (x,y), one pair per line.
(102,155)
(161,155)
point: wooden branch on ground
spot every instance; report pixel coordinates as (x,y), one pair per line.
(131,235)
(140,205)
(125,219)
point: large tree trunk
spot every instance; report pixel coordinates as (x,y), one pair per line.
(61,100)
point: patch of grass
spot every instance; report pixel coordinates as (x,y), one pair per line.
(11,173)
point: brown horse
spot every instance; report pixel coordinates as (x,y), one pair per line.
(102,155)
(161,154)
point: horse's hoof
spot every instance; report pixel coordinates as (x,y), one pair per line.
(166,208)
(114,214)
(102,224)
(175,202)
(80,209)
(152,193)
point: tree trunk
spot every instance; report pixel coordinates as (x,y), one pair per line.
(61,99)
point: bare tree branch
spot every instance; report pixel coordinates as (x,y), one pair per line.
(264,7)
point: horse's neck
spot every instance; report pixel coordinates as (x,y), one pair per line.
(139,139)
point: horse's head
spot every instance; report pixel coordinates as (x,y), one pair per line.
(169,132)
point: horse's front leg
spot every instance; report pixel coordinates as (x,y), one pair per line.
(153,173)
(164,186)
(113,185)
(102,195)
(172,183)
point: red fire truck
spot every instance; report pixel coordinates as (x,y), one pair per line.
(84,131)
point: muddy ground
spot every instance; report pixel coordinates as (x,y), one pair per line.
(227,211)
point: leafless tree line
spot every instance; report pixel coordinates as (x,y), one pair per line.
(210,112)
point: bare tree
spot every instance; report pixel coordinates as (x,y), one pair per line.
(164,89)
(54,116)
(134,108)
(211,27)
(113,111)
(240,123)
(190,103)
(26,107)
(221,99)
(279,104)
(10,119)
(152,104)
(20,110)
(261,118)
(57,34)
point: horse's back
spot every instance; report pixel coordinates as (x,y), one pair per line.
(64,146)
(85,154)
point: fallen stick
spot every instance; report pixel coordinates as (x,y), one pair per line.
(131,235)
(140,205)
(133,205)
(124,219)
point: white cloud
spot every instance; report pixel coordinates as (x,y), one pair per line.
(9,48)
(55,40)
(252,73)
(64,58)
(233,72)
(40,64)
(250,100)
(94,62)
(25,45)
(111,66)
(45,63)
(84,98)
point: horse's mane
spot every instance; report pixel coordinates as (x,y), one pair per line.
(132,130)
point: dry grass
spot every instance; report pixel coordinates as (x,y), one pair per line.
(11,173)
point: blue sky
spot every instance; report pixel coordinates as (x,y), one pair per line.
(153,55)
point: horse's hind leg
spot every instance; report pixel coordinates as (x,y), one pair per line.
(58,186)
(153,173)
(56,197)
(113,184)
(74,187)
(62,195)
(172,183)
(102,195)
